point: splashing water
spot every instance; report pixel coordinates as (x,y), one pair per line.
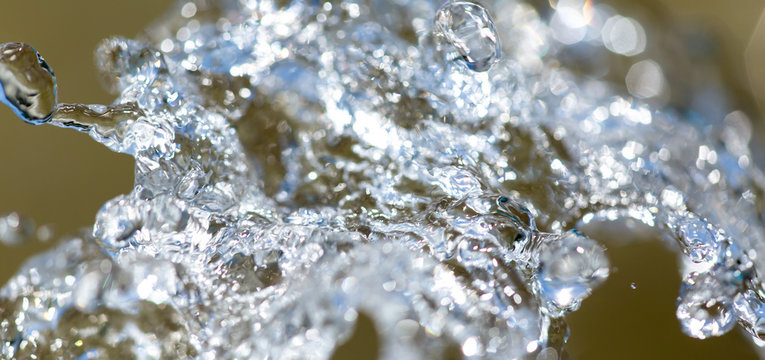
(300,165)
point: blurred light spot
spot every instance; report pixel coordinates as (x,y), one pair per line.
(188,10)
(623,35)
(532,346)
(167,45)
(645,79)
(470,347)
(571,20)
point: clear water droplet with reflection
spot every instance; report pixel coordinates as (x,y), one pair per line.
(570,268)
(705,305)
(27,83)
(470,30)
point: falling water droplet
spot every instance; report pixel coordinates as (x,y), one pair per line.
(705,305)
(570,268)
(27,83)
(468,27)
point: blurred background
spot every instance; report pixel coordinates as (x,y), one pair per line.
(60,178)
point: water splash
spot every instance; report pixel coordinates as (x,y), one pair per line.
(302,165)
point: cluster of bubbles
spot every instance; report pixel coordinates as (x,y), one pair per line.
(301,166)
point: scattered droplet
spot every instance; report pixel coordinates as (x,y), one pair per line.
(633,286)
(470,30)
(705,305)
(27,83)
(699,239)
(570,268)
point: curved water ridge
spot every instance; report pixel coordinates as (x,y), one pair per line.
(302,164)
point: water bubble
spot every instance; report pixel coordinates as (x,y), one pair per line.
(571,267)
(27,83)
(470,30)
(705,305)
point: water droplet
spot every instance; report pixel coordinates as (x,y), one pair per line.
(633,286)
(117,221)
(699,239)
(570,268)
(705,306)
(27,83)
(468,27)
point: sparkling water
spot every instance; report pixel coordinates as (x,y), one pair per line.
(301,166)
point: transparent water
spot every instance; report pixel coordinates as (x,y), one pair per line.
(301,166)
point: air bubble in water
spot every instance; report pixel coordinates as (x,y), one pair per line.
(470,30)
(27,83)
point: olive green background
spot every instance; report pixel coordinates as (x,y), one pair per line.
(61,177)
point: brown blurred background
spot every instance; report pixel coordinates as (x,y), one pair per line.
(61,177)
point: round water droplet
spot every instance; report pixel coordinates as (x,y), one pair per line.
(469,29)
(705,305)
(700,241)
(27,83)
(570,268)
(633,286)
